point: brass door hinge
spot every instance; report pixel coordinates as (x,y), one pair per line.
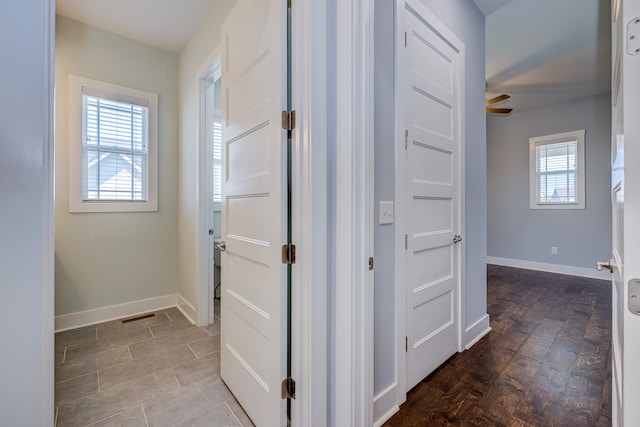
(288,120)
(288,388)
(288,254)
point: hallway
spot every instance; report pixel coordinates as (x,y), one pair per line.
(546,361)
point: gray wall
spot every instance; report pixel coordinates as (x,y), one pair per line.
(26,256)
(385,347)
(467,22)
(517,232)
(104,259)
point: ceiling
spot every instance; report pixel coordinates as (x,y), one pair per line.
(488,6)
(545,52)
(540,52)
(165,24)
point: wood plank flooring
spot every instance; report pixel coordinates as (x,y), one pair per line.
(545,363)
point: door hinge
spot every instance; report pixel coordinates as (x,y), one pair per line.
(288,388)
(370,263)
(406,241)
(405,39)
(289,254)
(289,4)
(406,138)
(289,120)
(406,344)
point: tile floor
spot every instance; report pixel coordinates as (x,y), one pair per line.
(159,371)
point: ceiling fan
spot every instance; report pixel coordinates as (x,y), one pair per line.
(496,100)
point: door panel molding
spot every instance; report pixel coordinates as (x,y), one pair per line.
(439,183)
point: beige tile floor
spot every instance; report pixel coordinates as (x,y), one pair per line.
(160,371)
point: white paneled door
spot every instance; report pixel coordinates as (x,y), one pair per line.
(254,214)
(429,79)
(625,192)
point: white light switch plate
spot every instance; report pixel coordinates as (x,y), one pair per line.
(386,212)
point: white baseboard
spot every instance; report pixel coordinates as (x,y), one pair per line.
(475,332)
(113,312)
(187,309)
(590,273)
(385,404)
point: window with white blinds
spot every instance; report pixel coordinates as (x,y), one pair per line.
(217,160)
(113,147)
(557,171)
(114,150)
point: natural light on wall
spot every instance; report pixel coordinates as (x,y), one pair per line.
(557,171)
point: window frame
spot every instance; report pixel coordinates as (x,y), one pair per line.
(77,86)
(578,137)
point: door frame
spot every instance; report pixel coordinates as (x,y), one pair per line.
(400,191)
(353,393)
(204,269)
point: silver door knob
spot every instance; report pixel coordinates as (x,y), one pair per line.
(608,265)
(222,246)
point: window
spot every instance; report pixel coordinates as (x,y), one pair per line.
(557,178)
(112,148)
(217,160)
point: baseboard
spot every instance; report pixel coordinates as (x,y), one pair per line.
(475,332)
(590,273)
(113,312)
(385,404)
(187,309)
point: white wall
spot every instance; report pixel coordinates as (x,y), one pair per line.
(467,23)
(201,45)
(26,214)
(517,232)
(104,259)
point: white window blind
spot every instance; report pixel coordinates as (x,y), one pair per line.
(556,172)
(217,160)
(114,150)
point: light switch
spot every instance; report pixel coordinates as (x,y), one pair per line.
(386,212)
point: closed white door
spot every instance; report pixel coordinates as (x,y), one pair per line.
(254,215)
(625,186)
(430,77)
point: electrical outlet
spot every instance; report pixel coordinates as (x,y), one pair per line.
(554,250)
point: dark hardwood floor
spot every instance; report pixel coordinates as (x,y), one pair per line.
(545,363)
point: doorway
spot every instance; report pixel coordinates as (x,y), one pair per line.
(210,180)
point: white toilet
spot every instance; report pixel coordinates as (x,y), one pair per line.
(216,268)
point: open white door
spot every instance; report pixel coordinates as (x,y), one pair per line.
(254,215)
(625,185)
(429,76)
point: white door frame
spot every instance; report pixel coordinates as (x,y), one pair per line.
(204,273)
(354,213)
(48,309)
(400,190)
(309,214)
